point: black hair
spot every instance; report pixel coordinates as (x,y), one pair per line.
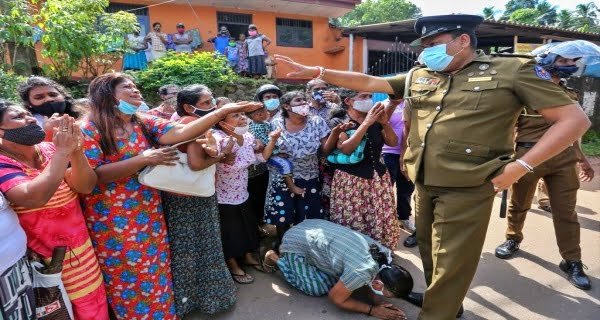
(4,106)
(287,98)
(164,90)
(345,94)
(313,83)
(252,27)
(395,278)
(457,33)
(154,24)
(82,106)
(36,81)
(221,99)
(190,95)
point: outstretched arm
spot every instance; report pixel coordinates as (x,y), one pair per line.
(346,79)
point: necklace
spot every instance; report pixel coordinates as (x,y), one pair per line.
(38,159)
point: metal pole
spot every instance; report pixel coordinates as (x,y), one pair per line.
(365,55)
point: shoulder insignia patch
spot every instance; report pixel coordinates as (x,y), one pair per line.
(541,73)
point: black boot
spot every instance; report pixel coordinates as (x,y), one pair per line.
(416,298)
(575,274)
(507,249)
(411,241)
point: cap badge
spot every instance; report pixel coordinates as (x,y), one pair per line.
(484,67)
(424,30)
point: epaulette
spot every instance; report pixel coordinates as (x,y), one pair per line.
(512,55)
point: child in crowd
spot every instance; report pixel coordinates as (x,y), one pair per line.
(260,128)
(232,53)
(238,225)
(242,66)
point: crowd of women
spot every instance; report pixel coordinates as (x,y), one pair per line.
(69,170)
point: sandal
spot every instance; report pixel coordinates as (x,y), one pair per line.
(242,278)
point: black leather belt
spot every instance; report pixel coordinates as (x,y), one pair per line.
(526,144)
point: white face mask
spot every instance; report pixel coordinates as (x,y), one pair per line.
(241,130)
(302,110)
(363,105)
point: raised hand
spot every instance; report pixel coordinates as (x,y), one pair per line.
(162,156)
(242,106)
(299,70)
(374,114)
(209,144)
(383,118)
(66,136)
(274,135)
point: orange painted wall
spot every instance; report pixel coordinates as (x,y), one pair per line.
(324,37)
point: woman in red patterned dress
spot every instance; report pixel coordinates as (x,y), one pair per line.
(125,218)
(35,179)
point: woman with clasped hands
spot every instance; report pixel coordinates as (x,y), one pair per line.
(43,190)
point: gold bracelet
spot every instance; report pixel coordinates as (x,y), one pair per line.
(321,73)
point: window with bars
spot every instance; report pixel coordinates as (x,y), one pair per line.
(234,18)
(294,33)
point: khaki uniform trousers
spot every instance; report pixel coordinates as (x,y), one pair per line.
(542,194)
(560,176)
(451,227)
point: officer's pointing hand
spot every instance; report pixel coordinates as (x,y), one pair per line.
(299,70)
(511,173)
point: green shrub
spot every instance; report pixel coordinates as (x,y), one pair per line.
(590,143)
(185,69)
(8,85)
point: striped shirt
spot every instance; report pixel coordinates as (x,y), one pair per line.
(59,222)
(334,249)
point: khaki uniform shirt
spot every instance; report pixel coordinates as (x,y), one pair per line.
(531,126)
(462,124)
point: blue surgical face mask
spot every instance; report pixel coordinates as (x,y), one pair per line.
(436,58)
(271,104)
(127,108)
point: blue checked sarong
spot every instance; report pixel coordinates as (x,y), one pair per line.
(303,276)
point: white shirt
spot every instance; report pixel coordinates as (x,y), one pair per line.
(13,242)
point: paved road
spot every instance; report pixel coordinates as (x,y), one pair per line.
(529,286)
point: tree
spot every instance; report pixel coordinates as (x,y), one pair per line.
(79,34)
(527,16)
(16,35)
(489,12)
(586,16)
(377,11)
(565,19)
(548,14)
(514,5)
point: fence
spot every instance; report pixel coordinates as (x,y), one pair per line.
(399,58)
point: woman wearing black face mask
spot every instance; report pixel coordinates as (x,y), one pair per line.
(35,179)
(47,101)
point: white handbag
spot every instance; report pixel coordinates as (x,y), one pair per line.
(180,178)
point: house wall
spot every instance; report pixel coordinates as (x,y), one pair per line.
(324,37)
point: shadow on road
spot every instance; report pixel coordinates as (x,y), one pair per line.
(507,282)
(584,222)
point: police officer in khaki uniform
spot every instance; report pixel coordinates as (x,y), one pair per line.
(464,108)
(560,177)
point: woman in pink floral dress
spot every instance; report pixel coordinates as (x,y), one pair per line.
(238,224)
(125,218)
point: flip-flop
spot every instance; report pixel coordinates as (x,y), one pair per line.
(242,278)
